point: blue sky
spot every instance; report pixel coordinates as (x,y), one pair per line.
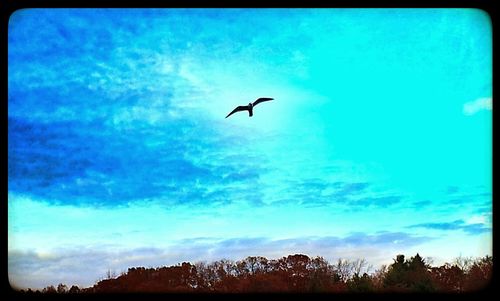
(377,142)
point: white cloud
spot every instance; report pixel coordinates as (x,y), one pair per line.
(472,107)
(479,219)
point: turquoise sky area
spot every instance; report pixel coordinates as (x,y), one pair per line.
(377,142)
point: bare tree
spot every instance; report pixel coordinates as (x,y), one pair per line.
(109,274)
(464,263)
(360,266)
(344,269)
(379,275)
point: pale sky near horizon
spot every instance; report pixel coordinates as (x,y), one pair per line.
(378,141)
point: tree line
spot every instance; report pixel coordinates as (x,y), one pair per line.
(295,274)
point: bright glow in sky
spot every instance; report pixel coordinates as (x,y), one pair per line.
(377,142)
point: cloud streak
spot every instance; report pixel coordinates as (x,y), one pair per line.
(480,104)
(471,229)
(350,195)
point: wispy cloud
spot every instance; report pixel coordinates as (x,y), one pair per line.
(421,204)
(472,229)
(352,195)
(452,189)
(383,201)
(472,107)
(81,162)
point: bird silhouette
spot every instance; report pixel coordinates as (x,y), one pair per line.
(249,107)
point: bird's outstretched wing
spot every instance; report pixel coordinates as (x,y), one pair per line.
(262,99)
(238,108)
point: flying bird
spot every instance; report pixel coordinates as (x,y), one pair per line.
(249,107)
